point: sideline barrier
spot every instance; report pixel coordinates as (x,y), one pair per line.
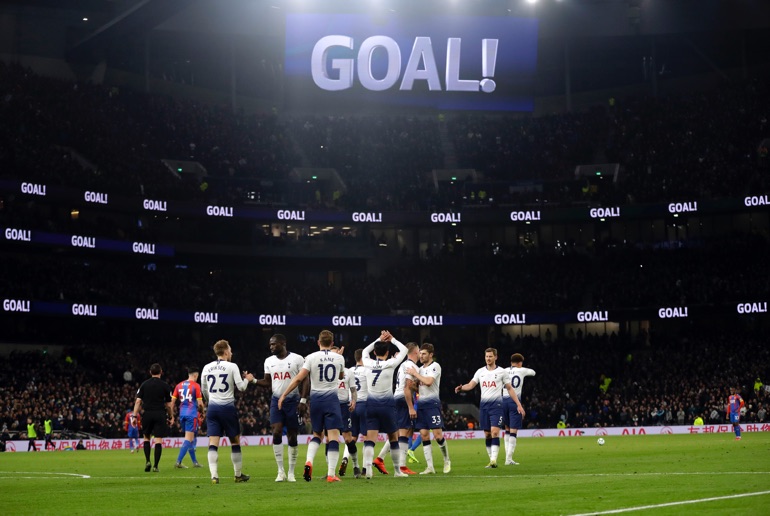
(267,440)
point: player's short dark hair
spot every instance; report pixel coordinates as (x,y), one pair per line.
(193,369)
(491,350)
(381,347)
(279,337)
(427,346)
(516,358)
(358,354)
(155,369)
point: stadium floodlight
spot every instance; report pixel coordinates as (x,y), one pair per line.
(531,1)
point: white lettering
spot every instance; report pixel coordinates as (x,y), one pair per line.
(338,74)
(96,197)
(272,320)
(150,314)
(81,241)
(367,217)
(152,205)
(143,248)
(33,189)
(445,217)
(87,310)
(673,313)
(16,305)
(24,235)
(682,207)
(600,213)
(346,320)
(752,308)
(510,319)
(206,317)
(290,215)
(756,200)
(593,316)
(525,215)
(219,211)
(428,320)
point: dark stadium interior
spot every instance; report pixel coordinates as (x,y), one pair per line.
(643,107)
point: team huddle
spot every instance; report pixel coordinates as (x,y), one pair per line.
(342,402)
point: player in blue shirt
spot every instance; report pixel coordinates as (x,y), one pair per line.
(191,401)
(734,406)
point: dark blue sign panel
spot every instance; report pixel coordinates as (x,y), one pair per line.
(441,62)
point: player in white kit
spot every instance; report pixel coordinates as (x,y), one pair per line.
(429,419)
(511,418)
(325,369)
(280,369)
(219,380)
(492,380)
(380,406)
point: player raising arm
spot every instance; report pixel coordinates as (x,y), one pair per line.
(428,413)
(492,379)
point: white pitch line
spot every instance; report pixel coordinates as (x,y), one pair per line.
(39,474)
(673,504)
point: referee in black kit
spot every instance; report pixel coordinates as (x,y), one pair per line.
(155,396)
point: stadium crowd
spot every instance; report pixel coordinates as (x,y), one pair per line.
(667,148)
(582,380)
(706,146)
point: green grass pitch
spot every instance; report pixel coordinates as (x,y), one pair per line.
(669,474)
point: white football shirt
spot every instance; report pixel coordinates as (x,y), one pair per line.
(282,372)
(324,368)
(359,377)
(402,376)
(430,392)
(219,380)
(343,389)
(517,375)
(379,373)
(491,383)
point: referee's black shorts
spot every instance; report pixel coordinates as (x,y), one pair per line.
(154,423)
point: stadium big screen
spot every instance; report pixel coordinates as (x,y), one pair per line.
(438,62)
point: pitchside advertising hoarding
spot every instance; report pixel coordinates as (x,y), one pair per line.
(267,440)
(441,62)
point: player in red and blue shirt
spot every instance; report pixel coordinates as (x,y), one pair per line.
(191,401)
(131,425)
(734,406)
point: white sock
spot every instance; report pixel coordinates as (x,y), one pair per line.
(346,453)
(293,452)
(278,452)
(395,455)
(444,450)
(368,458)
(237,459)
(495,451)
(428,452)
(213,467)
(332,458)
(385,449)
(402,447)
(511,445)
(312,449)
